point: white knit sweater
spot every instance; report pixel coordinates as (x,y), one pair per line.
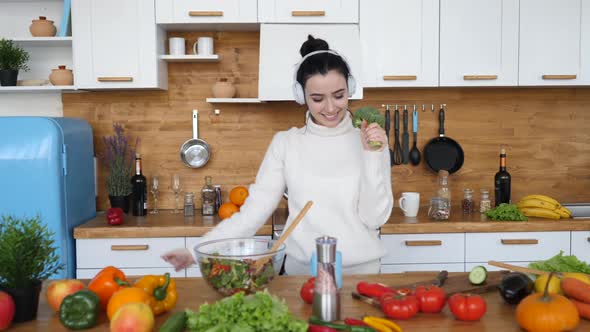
(350,188)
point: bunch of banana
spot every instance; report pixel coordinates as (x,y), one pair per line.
(543,207)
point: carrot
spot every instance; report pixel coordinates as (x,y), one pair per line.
(576,289)
(583,308)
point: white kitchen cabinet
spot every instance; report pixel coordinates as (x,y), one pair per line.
(308,11)
(514,246)
(581,245)
(401,268)
(423,248)
(206,11)
(479,43)
(550,42)
(400,42)
(279,54)
(116,45)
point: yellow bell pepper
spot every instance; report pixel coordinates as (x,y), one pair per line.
(162,291)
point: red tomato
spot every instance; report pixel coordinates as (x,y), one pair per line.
(432,299)
(306,291)
(398,306)
(372,290)
(467,307)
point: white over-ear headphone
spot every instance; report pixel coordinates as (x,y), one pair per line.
(298,92)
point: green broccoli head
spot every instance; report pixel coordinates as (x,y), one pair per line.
(368,114)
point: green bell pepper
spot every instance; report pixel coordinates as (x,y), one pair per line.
(79,310)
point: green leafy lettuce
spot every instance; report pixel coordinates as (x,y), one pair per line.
(561,263)
(506,212)
(259,312)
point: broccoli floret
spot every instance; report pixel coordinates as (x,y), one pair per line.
(369,114)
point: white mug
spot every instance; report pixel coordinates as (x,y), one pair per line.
(203,46)
(409,203)
(176,46)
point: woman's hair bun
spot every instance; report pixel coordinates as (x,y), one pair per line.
(313,44)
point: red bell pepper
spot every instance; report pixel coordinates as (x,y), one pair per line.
(373,290)
(115,216)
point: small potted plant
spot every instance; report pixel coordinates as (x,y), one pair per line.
(118,157)
(12,59)
(28,255)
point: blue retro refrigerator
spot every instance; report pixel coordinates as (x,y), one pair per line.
(47,169)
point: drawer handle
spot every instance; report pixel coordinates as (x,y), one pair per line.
(424,243)
(520,241)
(308,13)
(129,247)
(479,77)
(560,77)
(196,13)
(400,77)
(115,79)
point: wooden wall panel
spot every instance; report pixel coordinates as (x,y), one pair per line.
(545,129)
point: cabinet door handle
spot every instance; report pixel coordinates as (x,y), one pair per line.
(115,79)
(308,13)
(560,77)
(424,243)
(200,13)
(519,241)
(129,247)
(479,77)
(400,77)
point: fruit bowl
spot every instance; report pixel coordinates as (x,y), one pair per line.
(228,264)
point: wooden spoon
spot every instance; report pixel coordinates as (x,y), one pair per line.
(260,262)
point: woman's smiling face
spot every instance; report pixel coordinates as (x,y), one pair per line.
(327,98)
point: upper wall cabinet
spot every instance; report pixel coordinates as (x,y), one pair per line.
(206,11)
(117,51)
(308,11)
(399,42)
(279,54)
(478,43)
(551,42)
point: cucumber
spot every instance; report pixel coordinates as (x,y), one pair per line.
(174,323)
(478,275)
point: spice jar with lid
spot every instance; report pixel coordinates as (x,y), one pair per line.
(467,204)
(484,203)
(189,204)
(439,209)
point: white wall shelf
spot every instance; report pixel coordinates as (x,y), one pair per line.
(191,58)
(234,100)
(44,41)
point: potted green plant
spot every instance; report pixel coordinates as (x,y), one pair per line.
(28,255)
(118,157)
(12,59)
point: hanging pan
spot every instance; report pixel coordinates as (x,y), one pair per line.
(195,152)
(443,152)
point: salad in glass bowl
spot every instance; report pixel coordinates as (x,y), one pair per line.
(228,264)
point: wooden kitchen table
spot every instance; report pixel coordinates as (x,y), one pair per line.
(194,291)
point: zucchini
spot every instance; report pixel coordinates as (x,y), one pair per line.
(478,275)
(175,323)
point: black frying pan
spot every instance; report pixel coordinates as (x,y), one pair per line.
(443,152)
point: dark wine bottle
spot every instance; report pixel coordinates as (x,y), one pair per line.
(139,195)
(502,181)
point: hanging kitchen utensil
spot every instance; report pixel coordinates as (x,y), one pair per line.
(195,152)
(415,155)
(405,138)
(443,152)
(397,148)
(387,126)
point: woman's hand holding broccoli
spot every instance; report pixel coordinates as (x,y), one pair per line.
(371,123)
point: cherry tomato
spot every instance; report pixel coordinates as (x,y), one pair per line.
(372,290)
(467,307)
(432,299)
(306,291)
(398,306)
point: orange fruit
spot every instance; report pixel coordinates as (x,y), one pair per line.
(238,195)
(227,209)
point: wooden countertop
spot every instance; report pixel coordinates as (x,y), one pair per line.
(194,292)
(167,224)
(164,224)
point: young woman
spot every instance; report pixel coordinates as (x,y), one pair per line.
(327,161)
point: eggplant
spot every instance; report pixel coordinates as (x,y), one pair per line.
(515,286)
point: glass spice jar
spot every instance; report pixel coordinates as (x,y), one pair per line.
(439,209)
(467,204)
(484,203)
(189,204)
